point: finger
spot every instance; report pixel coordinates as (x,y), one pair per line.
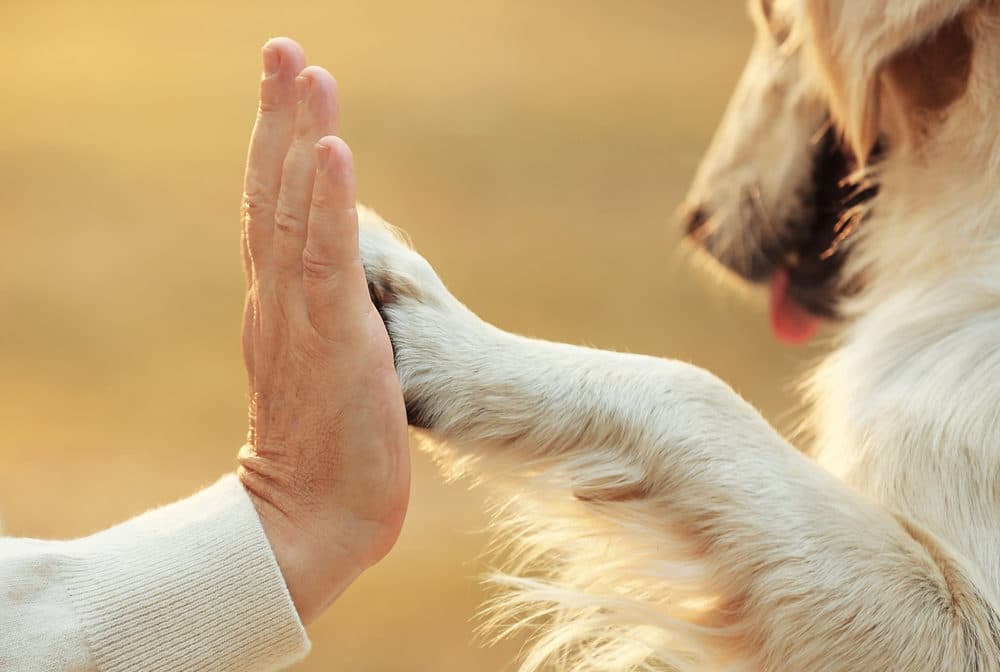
(333,276)
(272,134)
(316,117)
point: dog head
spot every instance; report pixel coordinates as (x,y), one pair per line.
(831,90)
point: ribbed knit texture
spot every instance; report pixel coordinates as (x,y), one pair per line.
(190,586)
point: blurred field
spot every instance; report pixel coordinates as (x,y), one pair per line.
(534,150)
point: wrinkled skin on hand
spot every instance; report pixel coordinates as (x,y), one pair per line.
(326,462)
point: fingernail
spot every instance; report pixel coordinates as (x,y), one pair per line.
(322,157)
(302,87)
(272,61)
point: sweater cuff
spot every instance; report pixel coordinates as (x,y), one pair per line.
(190,586)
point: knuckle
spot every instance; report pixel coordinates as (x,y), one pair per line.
(271,99)
(316,265)
(289,221)
(322,200)
(267,103)
(320,266)
(257,201)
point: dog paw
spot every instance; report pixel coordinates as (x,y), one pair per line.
(393,269)
(424,322)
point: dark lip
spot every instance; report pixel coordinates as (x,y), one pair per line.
(812,249)
(755,265)
(814,271)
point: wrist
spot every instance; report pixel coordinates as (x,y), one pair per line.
(313,554)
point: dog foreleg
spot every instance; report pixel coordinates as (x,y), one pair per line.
(661,520)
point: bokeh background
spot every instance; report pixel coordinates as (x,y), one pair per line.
(534,149)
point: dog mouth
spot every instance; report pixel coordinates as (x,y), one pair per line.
(801,259)
(837,207)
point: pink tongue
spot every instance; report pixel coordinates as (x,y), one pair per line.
(791,324)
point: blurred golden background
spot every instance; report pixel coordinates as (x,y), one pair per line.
(534,150)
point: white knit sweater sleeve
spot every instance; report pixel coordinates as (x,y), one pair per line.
(190,586)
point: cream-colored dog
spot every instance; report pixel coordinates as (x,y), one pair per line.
(659,522)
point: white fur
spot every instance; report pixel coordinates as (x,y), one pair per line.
(656,521)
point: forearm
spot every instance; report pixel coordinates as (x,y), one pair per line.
(191,586)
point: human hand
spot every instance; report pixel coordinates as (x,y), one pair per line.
(327,459)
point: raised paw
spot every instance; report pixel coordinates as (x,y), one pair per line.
(423,320)
(391,266)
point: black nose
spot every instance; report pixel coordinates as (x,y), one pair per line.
(696,219)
